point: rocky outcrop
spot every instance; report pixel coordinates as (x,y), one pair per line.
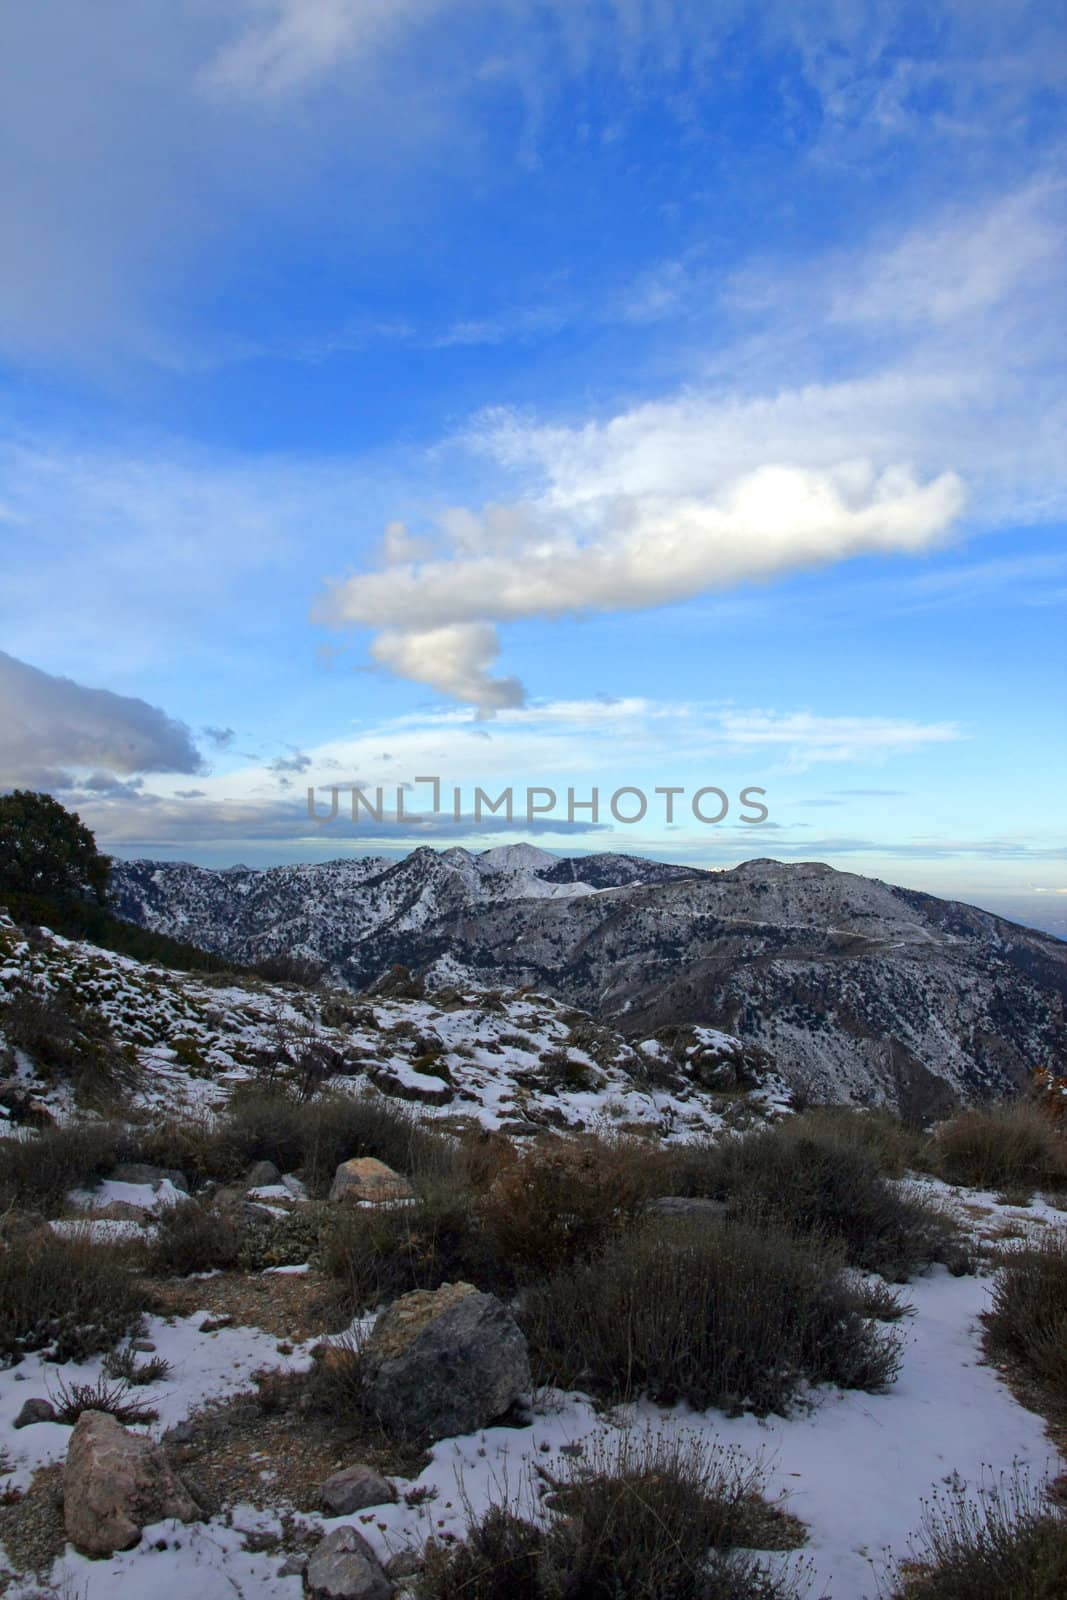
(114,1484)
(366,1179)
(344,1567)
(444,1361)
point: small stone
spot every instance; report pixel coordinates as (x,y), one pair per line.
(293,1566)
(354,1489)
(366,1178)
(262,1175)
(35,1410)
(143,1347)
(344,1567)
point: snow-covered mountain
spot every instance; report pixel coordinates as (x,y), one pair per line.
(861,991)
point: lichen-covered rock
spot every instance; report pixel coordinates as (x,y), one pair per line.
(355,1488)
(365,1178)
(444,1361)
(344,1567)
(114,1484)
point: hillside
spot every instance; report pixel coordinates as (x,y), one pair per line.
(861,991)
(521,1062)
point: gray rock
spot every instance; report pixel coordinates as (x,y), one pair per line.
(355,1488)
(293,1566)
(262,1174)
(141,1172)
(35,1410)
(688,1208)
(114,1484)
(344,1567)
(444,1362)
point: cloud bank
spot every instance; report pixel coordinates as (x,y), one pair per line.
(49,725)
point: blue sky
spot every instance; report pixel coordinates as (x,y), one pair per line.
(540,392)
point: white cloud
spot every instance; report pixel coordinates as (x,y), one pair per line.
(617,528)
(452,659)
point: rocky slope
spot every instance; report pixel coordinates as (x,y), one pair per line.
(861,991)
(520,1062)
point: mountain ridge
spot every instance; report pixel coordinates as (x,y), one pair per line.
(862,991)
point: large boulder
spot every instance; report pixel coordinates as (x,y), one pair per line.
(114,1484)
(444,1361)
(344,1567)
(364,1178)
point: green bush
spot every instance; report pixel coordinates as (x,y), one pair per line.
(1027,1321)
(1005,1545)
(1009,1146)
(647,1518)
(68,1297)
(729,1315)
(812,1180)
(285,1241)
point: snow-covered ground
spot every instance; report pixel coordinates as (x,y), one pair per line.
(513,1058)
(855,1468)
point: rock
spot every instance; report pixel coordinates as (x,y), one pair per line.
(262,1174)
(114,1484)
(142,1346)
(365,1178)
(398,984)
(293,1566)
(344,1567)
(688,1208)
(444,1361)
(213,1324)
(141,1172)
(35,1410)
(355,1488)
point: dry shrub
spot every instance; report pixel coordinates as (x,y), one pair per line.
(809,1179)
(561,1202)
(1004,1545)
(190,1237)
(67,1296)
(1027,1322)
(642,1516)
(1008,1146)
(727,1315)
(379,1252)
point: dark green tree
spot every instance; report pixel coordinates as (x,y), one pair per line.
(47,851)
